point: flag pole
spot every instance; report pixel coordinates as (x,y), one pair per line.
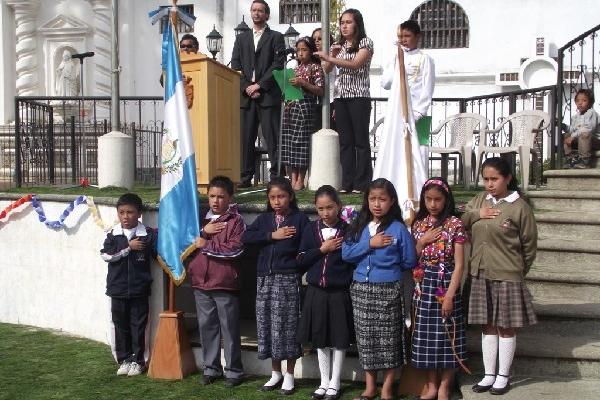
(407,135)
(171,289)
(173,15)
(172,356)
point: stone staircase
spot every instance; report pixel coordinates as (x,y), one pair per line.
(559,358)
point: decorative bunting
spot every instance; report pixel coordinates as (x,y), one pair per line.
(96,215)
(16,204)
(58,224)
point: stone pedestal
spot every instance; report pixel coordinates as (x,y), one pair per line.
(116,160)
(325,167)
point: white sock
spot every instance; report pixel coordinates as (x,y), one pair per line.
(324,357)
(506,352)
(275,378)
(336,370)
(288,381)
(489,350)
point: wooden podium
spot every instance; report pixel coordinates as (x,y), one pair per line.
(214,116)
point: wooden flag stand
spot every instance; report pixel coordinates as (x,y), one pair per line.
(172,356)
(413,380)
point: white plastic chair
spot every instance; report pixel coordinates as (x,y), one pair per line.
(374,139)
(525,126)
(461,127)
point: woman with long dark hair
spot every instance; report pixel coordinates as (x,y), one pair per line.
(352,99)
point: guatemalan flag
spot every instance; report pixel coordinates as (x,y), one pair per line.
(178,217)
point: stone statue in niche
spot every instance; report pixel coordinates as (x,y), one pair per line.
(67,76)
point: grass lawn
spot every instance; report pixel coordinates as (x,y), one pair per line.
(255,195)
(42,364)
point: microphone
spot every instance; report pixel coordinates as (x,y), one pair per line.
(289,50)
(81,56)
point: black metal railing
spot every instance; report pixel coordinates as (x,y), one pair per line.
(54,140)
(577,68)
(52,134)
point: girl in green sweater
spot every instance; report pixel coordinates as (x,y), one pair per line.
(504,244)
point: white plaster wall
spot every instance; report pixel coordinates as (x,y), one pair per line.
(56,279)
(7,64)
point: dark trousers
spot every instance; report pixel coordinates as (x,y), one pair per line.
(268,117)
(352,120)
(319,118)
(218,313)
(130,317)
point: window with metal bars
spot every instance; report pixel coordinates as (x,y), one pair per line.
(444,24)
(181,26)
(299,11)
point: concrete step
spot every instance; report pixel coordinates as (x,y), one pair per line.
(562,273)
(536,388)
(565,200)
(569,291)
(568,224)
(547,339)
(539,366)
(570,252)
(582,330)
(566,301)
(573,179)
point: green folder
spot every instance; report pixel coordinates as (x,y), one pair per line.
(423,127)
(291,92)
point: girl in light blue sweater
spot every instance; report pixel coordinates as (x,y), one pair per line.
(381,247)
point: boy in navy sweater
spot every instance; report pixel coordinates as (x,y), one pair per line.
(128,249)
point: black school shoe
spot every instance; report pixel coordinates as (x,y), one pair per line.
(482,388)
(270,388)
(233,382)
(208,379)
(316,396)
(287,392)
(503,390)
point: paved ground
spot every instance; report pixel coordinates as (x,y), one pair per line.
(550,388)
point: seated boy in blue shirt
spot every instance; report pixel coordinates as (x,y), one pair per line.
(128,249)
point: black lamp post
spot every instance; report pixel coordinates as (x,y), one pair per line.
(242,27)
(214,42)
(291,36)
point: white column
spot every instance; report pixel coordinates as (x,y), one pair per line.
(101,10)
(27,63)
(326,168)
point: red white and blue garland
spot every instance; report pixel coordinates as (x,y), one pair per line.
(53,224)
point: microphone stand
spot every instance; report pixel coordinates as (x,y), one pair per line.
(83,179)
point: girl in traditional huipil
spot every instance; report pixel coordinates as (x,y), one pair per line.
(439,337)
(504,245)
(298,117)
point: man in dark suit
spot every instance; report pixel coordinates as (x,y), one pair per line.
(256,53)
